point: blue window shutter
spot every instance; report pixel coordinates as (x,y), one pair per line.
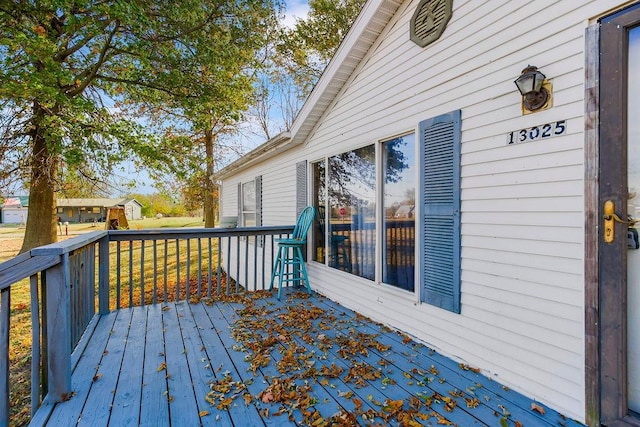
(440,202)
(301,186)
(259,201)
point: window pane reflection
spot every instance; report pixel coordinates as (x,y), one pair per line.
(351,213)
(399,202)
(318,192)
(249,204)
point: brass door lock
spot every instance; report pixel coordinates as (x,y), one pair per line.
(609,212)
(610,218)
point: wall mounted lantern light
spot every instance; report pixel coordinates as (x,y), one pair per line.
(530,84)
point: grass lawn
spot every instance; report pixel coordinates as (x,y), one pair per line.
(11,237)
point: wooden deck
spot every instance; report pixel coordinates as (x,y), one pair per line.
(299,361)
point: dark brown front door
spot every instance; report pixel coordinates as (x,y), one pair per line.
(619,185)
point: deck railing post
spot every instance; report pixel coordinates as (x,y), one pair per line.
(103,275)
(5,313)
(58,336)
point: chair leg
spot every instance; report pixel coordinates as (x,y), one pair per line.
(276,267)
(303,268)
(283,265)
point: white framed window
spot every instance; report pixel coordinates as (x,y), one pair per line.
(250,203)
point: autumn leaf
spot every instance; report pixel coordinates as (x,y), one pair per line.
(466,367)
(96,377)
(162,367)
(267,397)
(535,407)
(247,398)
(224,403)
(66,396)
(203,413)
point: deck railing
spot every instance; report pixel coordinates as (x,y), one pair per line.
(134,267)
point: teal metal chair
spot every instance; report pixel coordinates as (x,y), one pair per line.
(289,265)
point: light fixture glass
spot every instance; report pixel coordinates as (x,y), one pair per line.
(530,80)
(530,86)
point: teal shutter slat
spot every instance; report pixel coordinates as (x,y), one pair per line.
(301,186)
(440,201)
(259,201)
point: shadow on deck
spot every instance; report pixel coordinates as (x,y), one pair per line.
(253,360)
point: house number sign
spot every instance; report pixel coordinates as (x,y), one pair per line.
(545,131)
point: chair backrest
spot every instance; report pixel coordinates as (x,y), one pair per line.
(304,222)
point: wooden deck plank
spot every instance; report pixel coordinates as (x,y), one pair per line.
(392,382)
(337,387)
(195,342)
(216,360)
(200,367)
(493,396)
(82,380)
(237,367)
(108,372)
(125,410)
(329,403)
(183,410)
(444,378)
(413,376)
(154,407)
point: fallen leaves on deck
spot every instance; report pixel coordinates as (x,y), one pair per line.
(312,358)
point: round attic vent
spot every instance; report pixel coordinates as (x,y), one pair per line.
(429,21)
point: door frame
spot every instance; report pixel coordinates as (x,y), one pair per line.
(606,179)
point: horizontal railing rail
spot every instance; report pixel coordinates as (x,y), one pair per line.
(105,270)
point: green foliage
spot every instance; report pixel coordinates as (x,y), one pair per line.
(308,47)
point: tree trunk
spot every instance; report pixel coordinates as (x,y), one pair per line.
(41,221)
(209,210)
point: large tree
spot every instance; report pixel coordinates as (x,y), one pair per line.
(308,47)
(68,67)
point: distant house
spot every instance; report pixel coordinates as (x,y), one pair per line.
(15,210)
(404,211)
(88,210)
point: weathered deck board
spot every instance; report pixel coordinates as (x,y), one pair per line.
(493,395)
(183,409)
(154,409)
(109,371)
(212,326)
(128,390)
(154,365)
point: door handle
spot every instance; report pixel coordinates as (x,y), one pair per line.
(609,212)
(610,218)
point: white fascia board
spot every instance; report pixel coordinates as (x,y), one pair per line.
(346,59)
(262,152)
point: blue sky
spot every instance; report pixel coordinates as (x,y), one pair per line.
(295,9)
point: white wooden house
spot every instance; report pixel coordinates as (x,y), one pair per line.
(15,210)
(511,262)
(88,210)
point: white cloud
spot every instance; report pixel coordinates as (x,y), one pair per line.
(296,9)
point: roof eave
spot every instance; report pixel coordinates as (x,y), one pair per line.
(264,151)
